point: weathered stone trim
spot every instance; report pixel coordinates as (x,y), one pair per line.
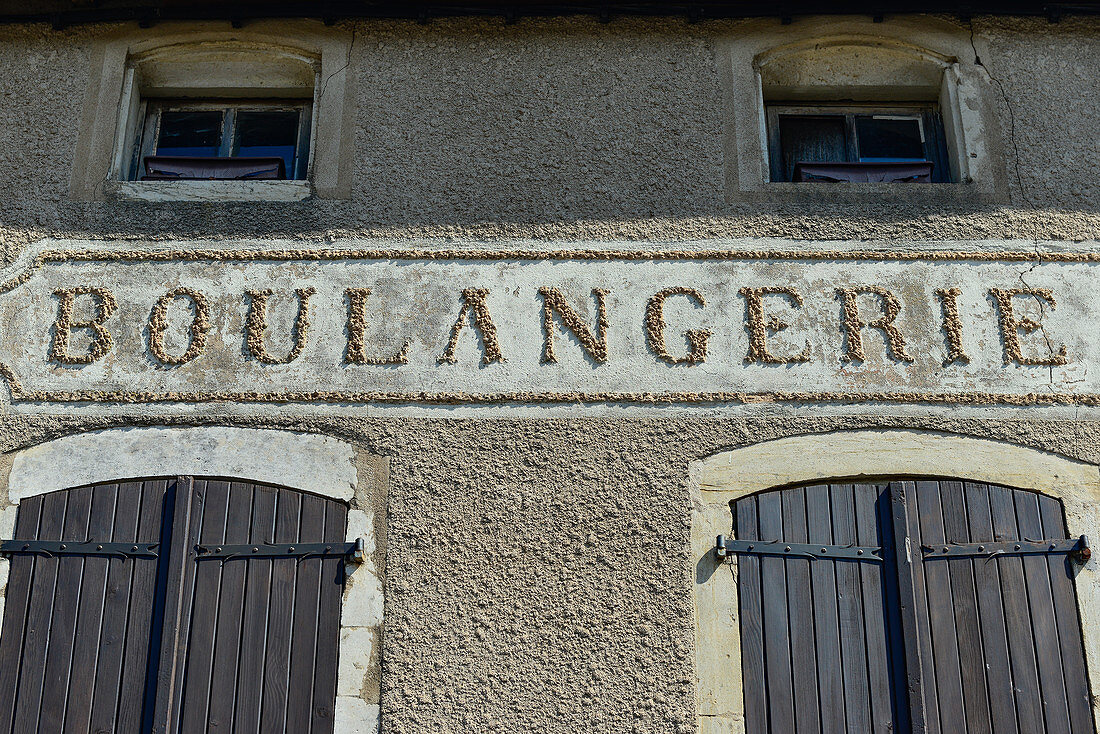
(544,398)
(588,254)
(863,454)
(310,462)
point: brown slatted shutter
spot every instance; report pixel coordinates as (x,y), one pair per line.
(262,634)
(176,643)
(945,636)
(814,640)
(1003,649)
(74,649)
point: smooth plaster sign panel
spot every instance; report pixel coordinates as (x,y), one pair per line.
(688,324)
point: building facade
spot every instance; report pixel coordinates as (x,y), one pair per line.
(676,370)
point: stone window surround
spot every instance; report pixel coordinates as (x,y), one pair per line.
(111,104)
(861,455)
(965,98)
(308,462)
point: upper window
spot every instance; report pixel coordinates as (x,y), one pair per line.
(193,91)
(872,104)
(831,143)
(185,139)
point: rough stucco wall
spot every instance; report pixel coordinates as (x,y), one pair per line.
(538,574)
(558,128)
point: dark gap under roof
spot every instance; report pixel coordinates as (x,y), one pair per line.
(62,13)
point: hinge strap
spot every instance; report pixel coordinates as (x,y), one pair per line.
(352,552)
(727,546)
(1077,549)
(69,548)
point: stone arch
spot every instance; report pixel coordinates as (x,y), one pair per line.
(865,454)
(851,66)
(304,461)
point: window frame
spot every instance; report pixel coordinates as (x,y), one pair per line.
(928,115)
(147,127)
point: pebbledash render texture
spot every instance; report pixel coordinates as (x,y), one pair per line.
(537,320)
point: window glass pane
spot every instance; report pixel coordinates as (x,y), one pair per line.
(811,139)
(190,133)
(884,138)
(268,134)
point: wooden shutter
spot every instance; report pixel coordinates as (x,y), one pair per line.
(816,138)
(815,642)
(1001,641)
(175,643)
(75,644)
(259,636)
(939,637)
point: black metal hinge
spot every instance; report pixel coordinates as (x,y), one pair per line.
(353,552)
(1076,548)
(68,548)
(725,547)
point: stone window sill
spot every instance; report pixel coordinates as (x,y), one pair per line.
(209,191)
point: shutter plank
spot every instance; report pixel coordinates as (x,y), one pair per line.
(143,588)
(987,585)
(328,623)
(830,672)
(964,594)
(176,579)
(86,644)
(307,594)
(66,602)
(901,590)
(116,611)
(874,612)
(923,619)
(800,614)
(1064,597)
(17,604)
(280,630)
(205,611)
(853,646)
(1017,618)
(752,626)
(941,602)
(39,615)
(256,600)
(227,644)
(1043,625)
(777,651)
